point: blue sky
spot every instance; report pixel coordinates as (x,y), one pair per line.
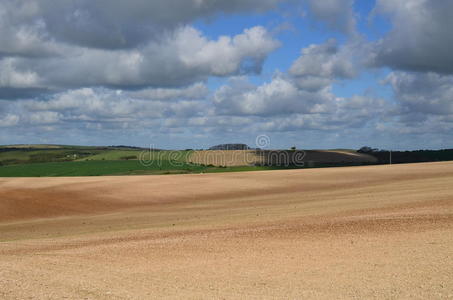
(193,73)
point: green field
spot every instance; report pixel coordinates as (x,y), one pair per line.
(54,160)
(95,168)
(114,155)
(21,155)
(113,167)
(137,154)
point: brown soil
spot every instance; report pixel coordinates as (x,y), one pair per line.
(230,158)
(233,158)
(359,232)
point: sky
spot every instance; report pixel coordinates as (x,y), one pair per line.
(177,74)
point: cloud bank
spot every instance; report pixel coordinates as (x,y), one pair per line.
(129,72)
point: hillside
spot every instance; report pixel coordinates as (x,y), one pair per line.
(230,147)
(381,232)
(64,160)
(281,158)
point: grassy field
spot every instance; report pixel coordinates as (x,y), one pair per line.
(115,167)
(97,168)
(22,155)
(114,155)
(35,155)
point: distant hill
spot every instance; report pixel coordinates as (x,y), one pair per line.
(66,160)
(230,147)
(280,158)
(401,157)
(29,153)
(31,146)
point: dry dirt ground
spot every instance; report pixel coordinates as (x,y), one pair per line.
(358,232)
(229,158)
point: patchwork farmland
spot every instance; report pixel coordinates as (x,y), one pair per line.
(279,158)
(60,160)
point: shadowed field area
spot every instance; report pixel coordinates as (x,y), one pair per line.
(358,232)
(279,158)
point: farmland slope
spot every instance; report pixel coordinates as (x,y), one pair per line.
(359,232)
(279,157)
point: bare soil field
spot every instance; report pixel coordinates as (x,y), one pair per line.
(230,158)
(233,158)
(343,233)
